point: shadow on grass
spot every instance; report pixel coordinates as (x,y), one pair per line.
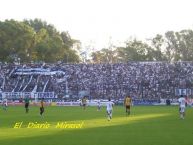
(94,131)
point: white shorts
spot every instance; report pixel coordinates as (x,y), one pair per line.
(182,109)
(5,104)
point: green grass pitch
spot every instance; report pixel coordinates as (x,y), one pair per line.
(147,125)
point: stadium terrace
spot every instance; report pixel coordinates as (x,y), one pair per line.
(142,80)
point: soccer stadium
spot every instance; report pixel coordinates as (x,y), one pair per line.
(64,121)
(96,72)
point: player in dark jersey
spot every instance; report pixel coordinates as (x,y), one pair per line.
(42,106)
(26,100)
(5,104)
(84,102)
(127,104)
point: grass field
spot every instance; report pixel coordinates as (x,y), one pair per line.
(147,125)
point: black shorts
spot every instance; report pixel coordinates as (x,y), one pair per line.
(84,105)
(41,109)
(127,107)
(26,105)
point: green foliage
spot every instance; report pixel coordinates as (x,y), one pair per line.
(34,40)
(105,55)
(134,51)
(15,40)
(173,46)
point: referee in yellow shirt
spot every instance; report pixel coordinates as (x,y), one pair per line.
(127,104)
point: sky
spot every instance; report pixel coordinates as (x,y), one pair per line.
(99,23)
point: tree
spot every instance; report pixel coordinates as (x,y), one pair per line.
(104,56)
(185,42)
(135,51)
(179,45)
(157,48)
(15,40)
(50,45)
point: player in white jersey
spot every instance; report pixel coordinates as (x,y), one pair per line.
(182,106)
(109,109)
(98,105)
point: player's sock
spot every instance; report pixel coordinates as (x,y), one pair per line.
(127,112)
(108,118)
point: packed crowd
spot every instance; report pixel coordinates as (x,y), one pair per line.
(148,80)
